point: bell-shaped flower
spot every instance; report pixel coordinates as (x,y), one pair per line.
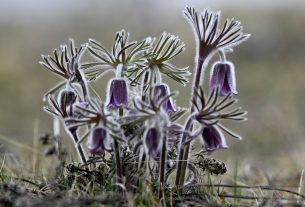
(152,141)
(223,76)
(117,94)
(160,91)
(213,138)
(66,99)
(98,139)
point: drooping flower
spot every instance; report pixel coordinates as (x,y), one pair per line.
(117,94)
(160,91)
(213,138)
(152,141)
(97,143)
(66,99)
(223,76)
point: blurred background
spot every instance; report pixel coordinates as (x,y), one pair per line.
(269,68)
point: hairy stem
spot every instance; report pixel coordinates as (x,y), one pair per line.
(181,152)
(144,85)
(117,156)
(184,150)
(118,161)
(162,168)
(79,148)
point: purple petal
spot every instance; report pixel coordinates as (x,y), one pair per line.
(213,138)
(214,76)
(152,141)
(66,99)
(168,106)
(97,141)
(118,94)
(226,89)
(160,91)
(217,75)
(231,78)
(229,84)
(223,76)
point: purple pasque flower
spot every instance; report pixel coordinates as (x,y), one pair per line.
(160,91)
(98,139)
(117,94)
(213,138)
(66,98)
(223,76)
(152,141)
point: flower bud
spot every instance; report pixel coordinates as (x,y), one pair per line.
(223,76)
(118,94)
(213,138)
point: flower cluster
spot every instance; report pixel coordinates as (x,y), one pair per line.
(139,113)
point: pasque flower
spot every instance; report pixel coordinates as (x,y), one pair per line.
(223,77)
(160,91)
(213,138)
(97,143)
(117,94)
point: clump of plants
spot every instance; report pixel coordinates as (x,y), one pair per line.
(135,136)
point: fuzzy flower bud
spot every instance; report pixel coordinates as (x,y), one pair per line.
(223,76)
(160,91)
(213,138)
(117,94)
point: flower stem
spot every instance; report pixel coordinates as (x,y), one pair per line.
(79,148)
(222,55)
(119,71)
(118,161)
(162,168)
(117,155)
(157,73)
(184,150)
(144,85)
(181,154)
